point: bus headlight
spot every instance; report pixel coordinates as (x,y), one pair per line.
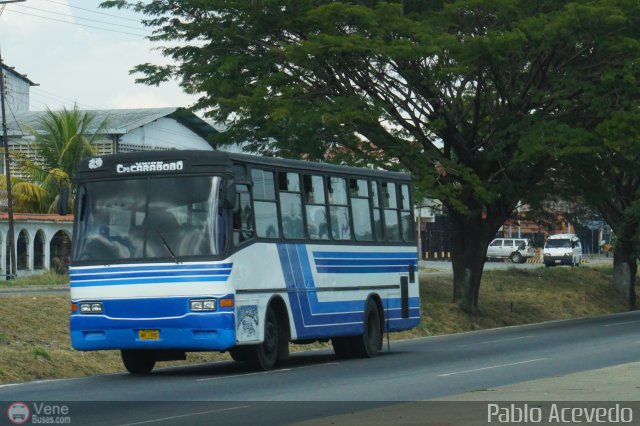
(91,308)
(200,305)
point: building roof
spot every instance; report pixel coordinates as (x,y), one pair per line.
(12,70)
(119,121)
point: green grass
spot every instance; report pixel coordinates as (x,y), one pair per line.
(48,279)
(34,331)
(519,296)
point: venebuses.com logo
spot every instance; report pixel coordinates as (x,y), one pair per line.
(18,413)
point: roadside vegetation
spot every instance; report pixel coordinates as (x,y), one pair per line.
(48,279)
(34,333)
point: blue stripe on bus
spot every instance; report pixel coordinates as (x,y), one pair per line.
(363,255)
(360,270)
(160,267)
(313,318)
(149,281)
(365,262)
(164,274)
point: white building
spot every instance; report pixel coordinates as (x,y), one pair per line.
(16,90)
(127,130)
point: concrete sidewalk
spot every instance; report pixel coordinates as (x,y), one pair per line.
(618,383)
(607,385)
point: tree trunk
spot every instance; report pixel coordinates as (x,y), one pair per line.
(624,271)
(471,237)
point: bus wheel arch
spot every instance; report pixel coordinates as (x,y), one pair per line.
(275,344)
(284,326)
(367,344)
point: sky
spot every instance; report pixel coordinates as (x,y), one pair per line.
(84,59)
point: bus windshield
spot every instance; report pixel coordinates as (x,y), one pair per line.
(148,218)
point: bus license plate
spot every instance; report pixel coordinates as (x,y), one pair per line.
(149,334)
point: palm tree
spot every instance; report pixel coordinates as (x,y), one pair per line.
(64,139)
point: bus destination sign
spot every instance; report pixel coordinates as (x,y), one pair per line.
(150,166)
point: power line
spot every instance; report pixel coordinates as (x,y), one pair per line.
(55,96)
(76,23)
(94,11)
(79,17)
(46,100)
(14,118)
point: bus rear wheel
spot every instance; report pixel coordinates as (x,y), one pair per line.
(138,361)
(369,342)
(265,355)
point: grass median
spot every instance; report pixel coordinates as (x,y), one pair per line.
(34,331)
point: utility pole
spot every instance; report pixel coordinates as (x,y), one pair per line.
(7,171)
(5,141)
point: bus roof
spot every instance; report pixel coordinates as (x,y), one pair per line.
(104,166)
(315,166)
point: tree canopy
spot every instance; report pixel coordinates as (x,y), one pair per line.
(478,99)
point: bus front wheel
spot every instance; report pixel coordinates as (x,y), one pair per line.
(342,346)
(265,355)
(138,361)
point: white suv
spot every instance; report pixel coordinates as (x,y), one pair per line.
(516,249)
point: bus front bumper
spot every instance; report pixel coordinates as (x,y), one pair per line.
(192,332)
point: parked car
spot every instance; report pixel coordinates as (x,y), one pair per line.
(562,249)
(516,249)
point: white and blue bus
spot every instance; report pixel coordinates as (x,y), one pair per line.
(181,251)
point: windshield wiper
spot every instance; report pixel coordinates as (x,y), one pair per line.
(173,256)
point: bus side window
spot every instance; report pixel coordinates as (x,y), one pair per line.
(390,203)
(290,205)
(339,210)
(242,216)
(316,208)
(406,218)
(360,209)
(264,204)
(377,215)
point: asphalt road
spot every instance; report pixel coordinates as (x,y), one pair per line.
(316,384)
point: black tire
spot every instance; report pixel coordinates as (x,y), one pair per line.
(369,342)
(265,355)
(241,353)
(516,257)
(138,361)
(342,346)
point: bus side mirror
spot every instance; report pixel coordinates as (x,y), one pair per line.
(228,195)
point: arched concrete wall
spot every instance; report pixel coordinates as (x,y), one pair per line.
(48,228)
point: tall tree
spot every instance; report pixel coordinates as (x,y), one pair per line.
(607,177)
(474,97)
(62,139)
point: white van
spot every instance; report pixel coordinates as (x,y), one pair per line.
(562,249)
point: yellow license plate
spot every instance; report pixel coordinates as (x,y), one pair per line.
(149,334)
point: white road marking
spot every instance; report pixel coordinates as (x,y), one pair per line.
(492,367)
(315,365)
(497,341)
(620,323)
(244,375)
(164,419)
(37,382)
